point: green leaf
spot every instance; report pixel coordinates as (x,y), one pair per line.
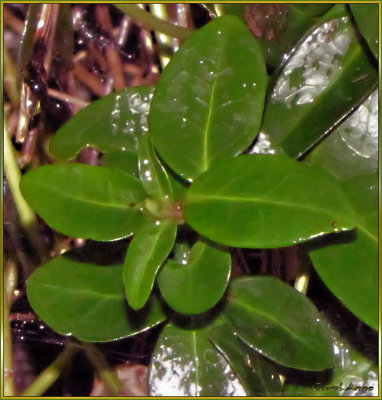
(209,101)
(352,149)
(87,301)
(350,367)
(350,270)
(279,322)
(258,376)
(112,123)
(312,9)
(151,171)
(327,76)
(277,27)
(366,17)
(266,201)
(126,161)
(185,363)
(196,286)
(85,201)
(146,253)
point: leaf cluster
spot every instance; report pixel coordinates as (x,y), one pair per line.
(179,156)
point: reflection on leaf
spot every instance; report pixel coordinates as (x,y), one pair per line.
(352,149)
(185,363)
(350,367)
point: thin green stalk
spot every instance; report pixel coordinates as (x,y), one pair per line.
(106,374)
(13,175)
(9,384)
(46,379)
(148,21)
(159,10)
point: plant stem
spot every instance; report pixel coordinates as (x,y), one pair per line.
(9,284)
(150,22)
(12,172)
(46,379)
(159,10)
(106,374)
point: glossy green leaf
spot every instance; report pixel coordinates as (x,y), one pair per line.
(85,201)
(351,369)
(126,161)
(146,253)
(258,376)
(266,201)
(87,301)
(327,76)
(277,27)
(312,9)
(366,17)
(112,123)
(352,149)
(209,101)
(185,363)
(197,285)
(350,270)
(151,171)
(279,322)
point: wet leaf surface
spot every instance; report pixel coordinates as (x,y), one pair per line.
(258,376)
(352,149)
(351,369)
(85,201)
(277,27)
(279,322)
(285,203)
(210,98)
(350,270)
(196,285)
(185,363)
(87,301)
(366,17)
(152,174)
(146,253)
(313,93)
(112,123)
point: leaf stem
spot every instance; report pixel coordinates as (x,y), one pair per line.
(150,22)
(9,285)
(106,374)
(164,41)
(12,172)
(46,379)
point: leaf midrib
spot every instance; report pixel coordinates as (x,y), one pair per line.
(87,292)
(193,333)
(210,111)
(84,200)
(277,322)
(231,199)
